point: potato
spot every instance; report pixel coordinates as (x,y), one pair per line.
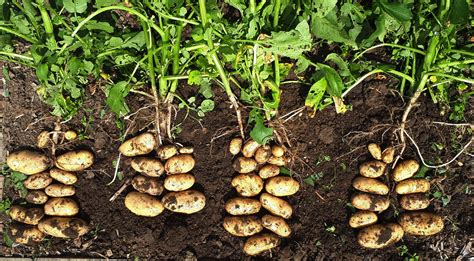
(261,243)
(243,226)
(139,145)
(410,186)
(277,225)
(388,155)
(262,154)
(148,166)
(151,186)
(242,206)
(75,160)
(64,227)
(276,206)
(186,150)
(60,190)
(362,218)
(372,169)
(269,171)
(187,202)
(278,151)
(365,201)
(249,148)
(30,216)
(43,140)
(375,151)
(244,165)
(369,185)
(405,170)
(142,204)
(36,197)
(414,201)
(38,181)
(70,135)
(179,164)
(28,162)
(279,161)
(166,152)
(247,185)
(282,186)
(64,207)
(179,182)
(379,236)
(62,176)
(25,234)
(235,146)
(420,223)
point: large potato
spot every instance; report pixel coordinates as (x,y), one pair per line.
(279,161)
(261,243)
(276,206)
(388,155)
(282,186)
(362,218)
(372,169)
(278,151)
(410,186)
(38,181)
(405,170)
(375,151)
(28,162)
(379,236)
(180,164)
(249,148)
(63,207)
(242,206)
(37,197)
(243,226)
(187,202)
(244,165)
(148,166)
(62,176)
(60,190)
(64,227)
(247,185)
(269,171)
(25,234)
(30,216)
(277,225)
(235,146)
(75,160)
(262,154)
(142,204)
(166,152)
(179,182)
(421,223)
(147,185)
(364,201)
(139,145)
(369,185)
(416,201)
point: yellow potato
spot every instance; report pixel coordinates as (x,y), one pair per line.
(243,226)
(375,151)
(63,227)
(187,202)
(186,150)
(180,164)
(235,146)
(30,216)
(43,140)
(365,201)
(60,190)
(282,186)
(372,169)
(70,135)
(179,182)
(147,185)
(362,218)
(262,154)
(414,201)
(247,185)
(36,197)
(25,234)
(139,145)
(388,154)
(410,186)
(277,225)
(38,181)
(279,161)
(244,165)
(242,206)
(269,171)
(28,162)
(75,160)
(260,243)
(249,148)
(405,170)
(276,206)
(64,207)
(278,151)
(420,223)
(369,185)
(62,176)
(142,204)
(379,236)
(148,166)
(166,152)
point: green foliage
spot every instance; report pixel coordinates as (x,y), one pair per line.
(260,133)
(14,179)
(5,205)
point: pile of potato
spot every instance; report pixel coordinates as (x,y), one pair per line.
(177,165)
(244,222)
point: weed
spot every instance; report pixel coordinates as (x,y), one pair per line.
(14,179)
(312,179)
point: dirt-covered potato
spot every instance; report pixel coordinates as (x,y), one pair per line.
(38,181)
(148,166)
(269,171)
(70,135)
(139,145)
(362,218)
(247,185)
(30,216)
(180,164)
(282,186)
(420,223)
(375,151)
(167,151)
(260,243)
(410,186)
(277,225)
(62,176)
(405,170)
(64,227)
(63,207)
(147,185)
(179,182)
(263,153)
(37,197)
(365,201)
(243,226)
(249,148)
(142,204)
(42,140)
(369,185)
(278,151)
(28,162)
(379,236)
(60,190)
(242,206)
(416,201)
(186,150)
(187,202)
(279,161)
(75,160)
(244,165)
(235,146)
(372,169)
(276,206)
(25,234)
(388,155)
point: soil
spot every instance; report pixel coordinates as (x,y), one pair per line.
(319,223)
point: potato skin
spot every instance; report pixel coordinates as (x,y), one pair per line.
(63,227)
(151,186)
(62,176)
(278,151)
(261,243)
(142,204)
(244,165)
(362,218)
(247,185)
(282,186)
(416,201)
(179,182)
(375,151)
(30,216)
(379,236)
(235,146)
(139,145)
(186,202)
(179,164)
(249,148)
(372,169)
(276,206)
(277,225)
(262,154)
(242,206)
(388,155)
(28,162)
(370,186)
(186,150)
(420,223)
(36,197)
(42,140)
(365,201)
(25,234)
(148,166)
(269,171)
(410,186)
(166,152)
(38,181)
(75,160)
(243,226)
(60,190)
(63,207)
(405,170)
(279,161)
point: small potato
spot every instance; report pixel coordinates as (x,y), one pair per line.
(63,227)
(148,166)
(180,164)
(249,148)
(37,197)
(186,150)
(375,151)
(64,207)
(260,243)
(43,140)
(244,165)
(362,218)
(139,145)
(142,204)
(263,154)
(60,190)
(70,135)
(379,236)
(166,152)
(25,234)
(410,186)
(75,160)
(282,186)
(388,155)
(405,170)
(421,223)
(28,162)
(30,216)
(187,202)
(369,185)
(242,206)
(151,186)
(365,201)
(279,161)
(372,169)
(179,182)
(62,176)
(243,226)
(269,171)
(416,201)
(247,185)
(235,146)
(38,181)
(276,206)
(277,225)
(278,151)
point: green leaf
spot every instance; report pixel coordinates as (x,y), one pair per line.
(459,12)
(75,6)
(195,77)
(311,180)
(260,133)
(207,105)
(116,98)
(6,239)
(327,29)
(103,26)
(137,41)
(335,84)
(323,7)
(291,43)
(42,72)
(103,3)
(400,11)
(316,93)
(341,63)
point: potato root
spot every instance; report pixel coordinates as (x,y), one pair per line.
(148,166)
(37,197)
(277,225)
(282,186)
(405,170)
(421,223)
(276,206)
(388,155)
(151,186)
(260,243)
(244,165)
(60,190)
(247,185)
(75,160)
(139,145)
(62,176)
(372,169)
(262,154)
(166,152)
(269,171)
(369,185)
(249,148)
(242,206)
(365,201)
(38,181)
(186,202)
(63,207)
(362,218)
(410,186)
(30,216)
(179,164)
(28,162)
(63,227)
(179,182)
(243,226)
(235,146)
(416,201)
(379,236)
(142,204)
(25,234)
(375,151)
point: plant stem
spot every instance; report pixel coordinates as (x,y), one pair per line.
(444,65)
(252,7)
(390,45)
(24,57)
(460,79)
(25,37)
(276,14)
